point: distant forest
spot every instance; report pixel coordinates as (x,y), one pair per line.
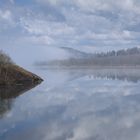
(124,57)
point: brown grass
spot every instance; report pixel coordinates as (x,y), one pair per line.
(13,74)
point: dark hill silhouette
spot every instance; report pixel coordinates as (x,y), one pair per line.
(11,74)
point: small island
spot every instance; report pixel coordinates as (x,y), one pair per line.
(12,74)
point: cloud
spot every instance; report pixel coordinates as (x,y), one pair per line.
(6,17)
(106,21)
(85,25)
(12,1)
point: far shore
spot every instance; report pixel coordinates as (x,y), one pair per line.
(88,67)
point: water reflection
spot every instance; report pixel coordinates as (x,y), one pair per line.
(130,75)
(77,105)
(5,106)
(9,93)
(13,91)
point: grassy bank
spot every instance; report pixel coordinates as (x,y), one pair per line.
(13,74)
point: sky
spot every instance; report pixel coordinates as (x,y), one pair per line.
(33,30)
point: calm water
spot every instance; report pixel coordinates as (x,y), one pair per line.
(75,105)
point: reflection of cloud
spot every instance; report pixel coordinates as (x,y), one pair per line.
(99,109)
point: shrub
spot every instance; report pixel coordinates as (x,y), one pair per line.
(4,58)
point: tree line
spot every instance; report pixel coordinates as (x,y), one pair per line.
(124,57)
(121,52)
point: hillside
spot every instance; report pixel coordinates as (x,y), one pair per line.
(73,53)
(11,74)
(128,57)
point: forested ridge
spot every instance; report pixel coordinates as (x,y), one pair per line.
(123,57)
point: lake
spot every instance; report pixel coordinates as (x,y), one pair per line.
(75,104)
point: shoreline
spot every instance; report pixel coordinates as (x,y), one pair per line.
(88,67)
(12,74)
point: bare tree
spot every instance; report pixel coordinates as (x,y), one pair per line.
(4,58)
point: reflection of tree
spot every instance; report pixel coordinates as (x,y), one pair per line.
(8,93)
(5,106)
(127,75)
(130,78)
(132,75)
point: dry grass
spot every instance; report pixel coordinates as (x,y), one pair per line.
(13,74)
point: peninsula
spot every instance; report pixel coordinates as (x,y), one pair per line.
(12,74)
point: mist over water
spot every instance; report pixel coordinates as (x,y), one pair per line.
(27,55)
(88,54)
(74,103)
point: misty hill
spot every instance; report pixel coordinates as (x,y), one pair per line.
(124,57)
(73,53)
